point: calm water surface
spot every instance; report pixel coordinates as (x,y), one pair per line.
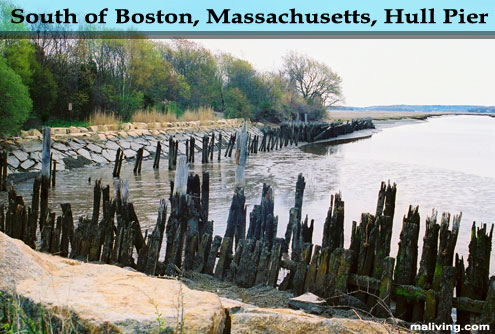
(444,163)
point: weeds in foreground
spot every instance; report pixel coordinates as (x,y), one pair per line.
(179,306)
(21,316)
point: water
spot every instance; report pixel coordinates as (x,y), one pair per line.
(444,163)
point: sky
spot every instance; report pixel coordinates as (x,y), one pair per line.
(387,71)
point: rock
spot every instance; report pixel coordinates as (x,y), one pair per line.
(111,145)
(59,131)
(84,153)
(20,155)
(37,166)
(57,156)
(124,144)
(72,154)
(35,156)
(309,303)
(141,141)
(98,158)
(140,126)
(129,154)
(135,146)
(122,134)
(25,134)
(102,128)
(103,298)
(74,129)
(94,148)
(146,154)
(32,147)
(75,146)
(109,155)
(93,128)
(13,161)
(35,133)
(132,133)
(112,127)
(27,164)
(102,137)
(127,126)
(245,319)
(60,146)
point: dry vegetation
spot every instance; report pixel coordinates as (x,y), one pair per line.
(201,114)
(101,118)
(144,116)
(152,116)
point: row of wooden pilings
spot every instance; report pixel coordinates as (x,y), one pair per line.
(288,134)
(364,276)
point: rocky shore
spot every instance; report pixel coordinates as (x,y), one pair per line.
(76,147)
(98,298)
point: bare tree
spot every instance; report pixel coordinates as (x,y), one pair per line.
(314,80)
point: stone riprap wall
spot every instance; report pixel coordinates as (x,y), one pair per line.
(75,146)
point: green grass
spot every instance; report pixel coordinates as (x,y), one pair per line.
(66,124)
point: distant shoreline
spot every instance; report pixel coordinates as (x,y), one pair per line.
(378,115)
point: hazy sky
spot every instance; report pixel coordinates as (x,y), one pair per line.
(385,71)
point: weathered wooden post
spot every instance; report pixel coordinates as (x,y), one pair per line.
(54,173)
(158,152)
(4,171)
(236,222)
(177,222)
(241,156)
(212,145)
(333,229)
(172,153)
(118,161)
(219,145)
(488,311)
(204,151)
(446,246)
(139,161)
(426,270)
(407,259)
(45,176)
(192,144)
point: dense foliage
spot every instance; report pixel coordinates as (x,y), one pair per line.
(122,76)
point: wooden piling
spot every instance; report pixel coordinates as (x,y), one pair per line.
(407,258)
(333,228)
(4,171)
(138,162)
(158,152)
(118,163)
(45,176)
(54,173)
(204,150)
(219,146)
(446,246)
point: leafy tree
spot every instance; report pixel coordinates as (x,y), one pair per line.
(199,68)
(15,104)
(314,80)
(236,104)
(42,90)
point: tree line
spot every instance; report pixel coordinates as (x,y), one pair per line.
(40,76)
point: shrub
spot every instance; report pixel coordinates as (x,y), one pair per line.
(15,103)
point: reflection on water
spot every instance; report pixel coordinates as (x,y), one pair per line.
(444,163)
